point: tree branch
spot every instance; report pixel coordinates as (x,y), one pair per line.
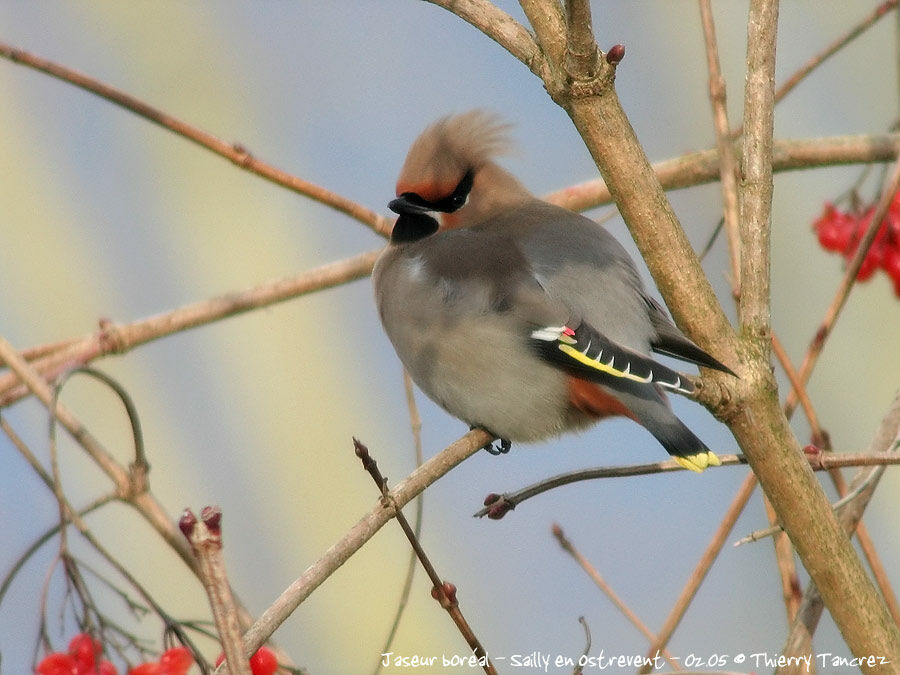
(607,590)
(548,21)
(756,172)
(757,421)
(699,168)
(703,566)
(234,152)
(886,441)
(497,505)
(359,534)
(500,27)
(119,338)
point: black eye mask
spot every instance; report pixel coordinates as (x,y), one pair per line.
(415,222)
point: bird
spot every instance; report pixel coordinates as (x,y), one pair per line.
(518,316)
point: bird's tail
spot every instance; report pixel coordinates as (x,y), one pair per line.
(685,448)
(651,410)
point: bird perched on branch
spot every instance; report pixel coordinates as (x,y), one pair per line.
(518,316)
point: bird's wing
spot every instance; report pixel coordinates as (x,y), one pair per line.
(584,351)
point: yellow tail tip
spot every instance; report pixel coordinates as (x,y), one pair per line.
(698,462)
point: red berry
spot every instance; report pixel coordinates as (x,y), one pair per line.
(106,668)
(263,662)
(57,663)
(834,229)
(893,218)
(876,251)
(833,237)
(895,204)
(146,669)
(891,266)
(85,649)
(175,661)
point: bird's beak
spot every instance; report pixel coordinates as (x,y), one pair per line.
(415,219)
(403,205)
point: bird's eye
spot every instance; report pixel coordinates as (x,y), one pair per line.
(460,195)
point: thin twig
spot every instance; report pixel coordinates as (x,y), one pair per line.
(139,469)
(416,425)
(359,534)
(818,59)
(442,591)
(607,590)
(728,165)
(703,566)
(830,50)
(579,669)
(497,505)
(843,292)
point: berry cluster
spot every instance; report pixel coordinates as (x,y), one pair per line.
(84,652)
(81,659)
(841,231)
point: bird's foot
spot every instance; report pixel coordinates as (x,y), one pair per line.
(500,449)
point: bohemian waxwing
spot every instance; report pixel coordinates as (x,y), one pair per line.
(517,316)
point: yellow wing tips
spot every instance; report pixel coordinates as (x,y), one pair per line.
(593,356)
(698,462)
(602,367)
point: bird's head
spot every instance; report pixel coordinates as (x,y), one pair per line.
(450,170)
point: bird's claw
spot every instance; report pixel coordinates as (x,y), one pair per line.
(503,447)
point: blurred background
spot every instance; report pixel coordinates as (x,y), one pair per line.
(103,214)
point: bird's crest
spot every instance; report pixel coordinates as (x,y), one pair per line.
(450,147)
